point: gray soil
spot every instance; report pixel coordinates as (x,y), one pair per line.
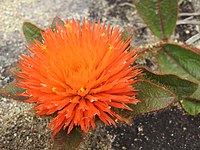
(21,130)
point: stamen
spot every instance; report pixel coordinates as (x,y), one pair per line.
(103,34)
(44,47)
(68,26)
(44,85)
(82,89)
(53,89)
(110,47)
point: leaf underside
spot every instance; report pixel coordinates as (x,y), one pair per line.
(57,21)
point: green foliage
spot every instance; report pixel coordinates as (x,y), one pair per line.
(64,141)
(160,16)
(153,97)
(178,64)
(182,61)
(178,80)
(180,87)
(12,91)
(191,106)
(159,91)
(32,32)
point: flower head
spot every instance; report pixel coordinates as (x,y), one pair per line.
(80,73)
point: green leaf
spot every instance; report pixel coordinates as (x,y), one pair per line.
(182,61)
(153,98)
(12,91)
(182,88)
(64,141)
(159,15)
(191,107)
(185,57)
(32,32)
(57,21)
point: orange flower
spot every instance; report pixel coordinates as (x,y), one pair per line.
(80,73)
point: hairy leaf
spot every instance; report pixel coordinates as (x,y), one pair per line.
(181,87)
(12,91)
(64,141)
(190,106)
(153,97)
(182,61)
(159,15)
(32,32)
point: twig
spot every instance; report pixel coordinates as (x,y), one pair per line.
(193,39)
(179,22)
(189,14)
(188,18)
(180,2)
(126,4)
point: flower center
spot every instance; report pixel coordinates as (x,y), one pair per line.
(82,91)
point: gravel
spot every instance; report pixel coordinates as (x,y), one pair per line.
(20,129)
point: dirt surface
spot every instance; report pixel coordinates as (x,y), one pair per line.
(171,129)
(184,31)
(167,130)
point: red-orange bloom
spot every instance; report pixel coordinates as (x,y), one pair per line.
(79,72)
